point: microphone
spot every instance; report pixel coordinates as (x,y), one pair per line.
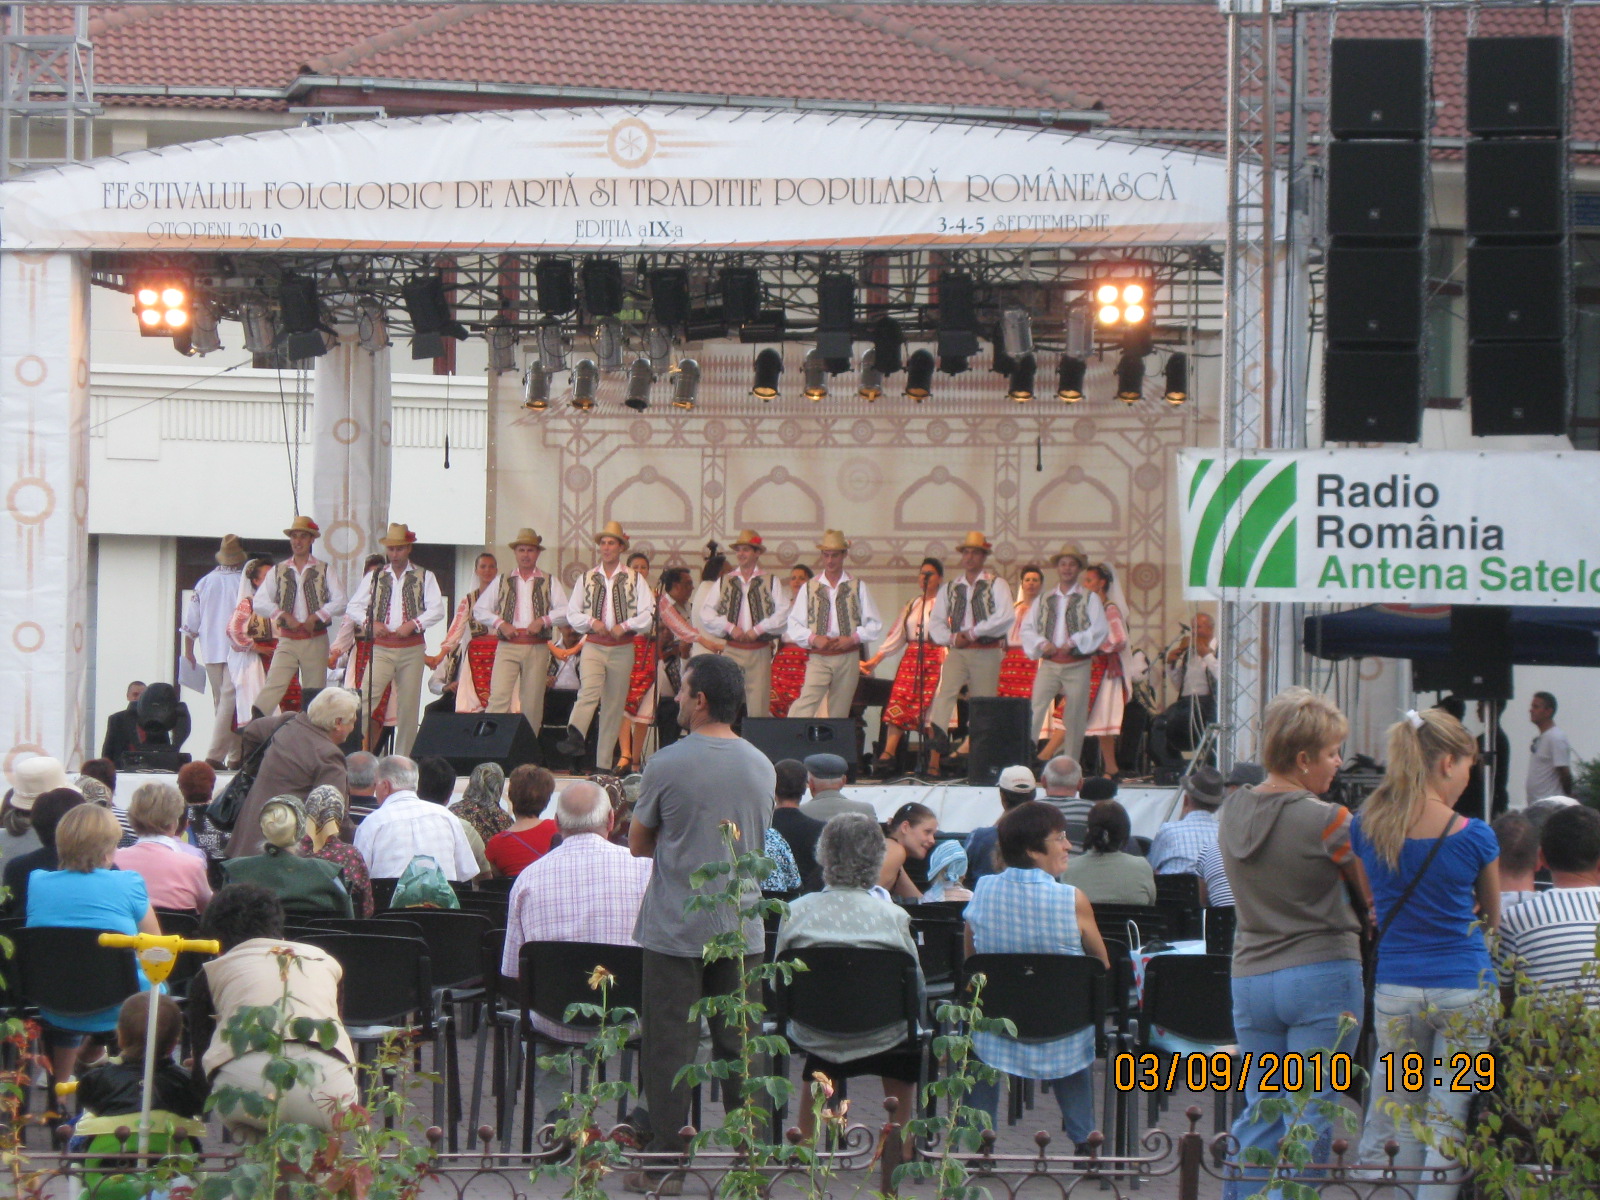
(1183,627)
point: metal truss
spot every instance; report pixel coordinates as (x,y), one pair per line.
(47,105)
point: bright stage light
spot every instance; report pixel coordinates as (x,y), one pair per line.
(1070,383)
(1110,314)
(1133,294)
(1133,314)
(1177,379)
(919,375)
(161,307)
(816,372)
(769,365)
(685,384)
(1130,377)
(585,378)
(1106,293)
(1021,386)
(536,387)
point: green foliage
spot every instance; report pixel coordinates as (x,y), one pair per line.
(1586,781)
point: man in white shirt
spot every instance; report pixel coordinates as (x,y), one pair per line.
(205,629)
(302,598)
(972,615)
(1192,666)
(833,617)
(750,612)
(1550,768)
(401,601)
(404,825)
(522,607)
(1061,631)
(610,606)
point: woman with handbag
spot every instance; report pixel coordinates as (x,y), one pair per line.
(1436,887)
(288,754)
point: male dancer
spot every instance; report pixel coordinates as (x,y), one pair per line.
(402,601)
(972,615)
(751,614)
(302,598)
(1062,630)
(833,617)
(522,607)
(205,626)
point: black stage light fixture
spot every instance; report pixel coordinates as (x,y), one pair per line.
(1177,379)
(768,326)
(1130,377)
(1070,373)
(887,339)
(741,295)
(585,378)
(1021,386)
(640,377)
(602,287)
(1002,362)
(303,329)
(958,319)
(163,304)
(555,286)
(431,317)
(769,365)
(836,319)
(953,364)
(669,296)
(871,378)
(919,375)
(685,384)
(704,324)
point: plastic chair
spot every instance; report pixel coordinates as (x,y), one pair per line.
(69,972)
(1220,922)
(367,925)
(1189,996)
(1123,926)
(496,885)
(1178,896)
(939,948)
(499,1015)
(184,922)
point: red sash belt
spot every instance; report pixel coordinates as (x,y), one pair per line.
(390,641)
(763,644)
(605,639)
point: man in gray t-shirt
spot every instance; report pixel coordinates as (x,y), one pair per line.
(690,788)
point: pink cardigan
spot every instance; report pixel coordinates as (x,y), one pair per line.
(174,879)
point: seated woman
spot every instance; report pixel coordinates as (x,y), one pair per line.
(1023,910)
(528,838)
(846,913)
(303,885)
(1104,871)
(248,921)
(325,816)
(174,877)
(48,810)
(912,831)
(86,893)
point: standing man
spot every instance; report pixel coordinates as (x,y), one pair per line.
(611,606)
(972,615)
(401,601)
(1192,665)
(833,616)
(751,614)
(690,789)
(1061,632)
(301,598)
(522,607)
(1550,769)
(205,625)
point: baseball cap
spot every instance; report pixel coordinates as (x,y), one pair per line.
(1019,780)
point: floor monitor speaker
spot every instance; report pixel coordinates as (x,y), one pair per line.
(795,737)
(1000,737)
(1375,189)
(468,739)
(1516,85)
(1372,395)
(1379,88)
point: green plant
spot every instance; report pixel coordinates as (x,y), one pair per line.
(1303,1141)
(1586,781)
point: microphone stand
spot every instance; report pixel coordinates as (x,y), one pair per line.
(371,639)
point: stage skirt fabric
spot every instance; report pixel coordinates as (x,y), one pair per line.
(907,701)
(291,696)
(642,683)
(788,677)
(480,666)
(363,656)
(1108,696)
(1016,674)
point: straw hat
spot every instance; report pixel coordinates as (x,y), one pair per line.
(231,552)
(1070,551)
(612,529)
(833,539)
(748,537)
(36,776)
(303,525)
(974,541)
(526,537)
(398,535)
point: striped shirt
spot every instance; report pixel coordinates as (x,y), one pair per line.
(1218,892)
(1552,936)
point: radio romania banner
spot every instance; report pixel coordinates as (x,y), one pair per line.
(1397,526)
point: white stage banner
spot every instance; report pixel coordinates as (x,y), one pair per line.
(638,178)
(350,489)
(1392,526)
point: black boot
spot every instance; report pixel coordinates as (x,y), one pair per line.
(573,743)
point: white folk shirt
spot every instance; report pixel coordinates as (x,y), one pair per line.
(487,609)
(404,826)
(266,599)
(432,601)
(1085,643)
(800,613)
(997,626)
(206,616)
(721,626)
(644,608)
(1193,673)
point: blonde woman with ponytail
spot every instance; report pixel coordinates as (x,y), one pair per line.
(1435,887)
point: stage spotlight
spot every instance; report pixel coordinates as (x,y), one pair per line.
(260,335)
(502,349)
(608,345)
(741,295)
(769,365)
(640,377)
(204,336)
(658,345)
(602,286)
(1124,303)
(887,338)
(705,324)
(303,330)
(768,326)
(816,371)
(669,296)
(1177,379)
(162,305)
(1001,361)
(1021,388)
(953,364)
(1071,373)
(836,319)
(1130,377)
(552,347)
(554,286)
(685,384)
(1016,332)
(871,378)
(432,319)
(372,324)
(958,318)
(536,387)
(919,375)
(585,378)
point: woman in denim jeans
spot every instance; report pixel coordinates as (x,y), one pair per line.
(1436,994)
(1297,953)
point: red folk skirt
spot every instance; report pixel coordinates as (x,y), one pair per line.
(1097,672)
(788,677)
(907,701)
(645,657)
(1016,674)
(291,696)
(480,665)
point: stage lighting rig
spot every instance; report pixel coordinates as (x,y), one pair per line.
(816,374)
(1130,377)
(1124,302)
(685,384)
(871,378)
(163,305)
(585,378)
(640,377)
(769,366)
(536,387)
(1177,373)
(1070,379)
(919,375)
(1021,385)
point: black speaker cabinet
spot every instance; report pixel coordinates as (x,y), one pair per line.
(1514,188)
(1379,88)
(796,737)
(1372,395)
(1516,85)
(1374,295)
(1517,387)
(998,727)
(1375,189)
(1517,293)
(1481,651)
(468,739)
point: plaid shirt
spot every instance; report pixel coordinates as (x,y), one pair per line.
(585,890)
(1177,845)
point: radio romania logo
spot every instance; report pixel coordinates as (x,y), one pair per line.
(1245,528)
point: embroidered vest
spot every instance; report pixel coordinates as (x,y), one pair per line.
(410,595)
(539,598)
(1077,613)
(621,595)
(316,578)
(258,628)
(982,600)
(847,605)
(475,627)
(759,601)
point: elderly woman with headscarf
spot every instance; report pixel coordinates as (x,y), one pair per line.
(479,805)
(325,814)
(304,885)
(947,867)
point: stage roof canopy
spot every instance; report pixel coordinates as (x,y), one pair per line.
(1548,637)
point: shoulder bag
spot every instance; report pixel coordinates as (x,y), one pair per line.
(223,812)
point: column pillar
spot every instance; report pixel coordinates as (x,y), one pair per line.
(352,434)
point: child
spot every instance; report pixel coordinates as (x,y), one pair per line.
(111,1095)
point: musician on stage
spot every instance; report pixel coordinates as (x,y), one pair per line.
(521,609)
(833,617)
(917,677)
(750,612)
(1062,631)
(1192,666)
(972,616)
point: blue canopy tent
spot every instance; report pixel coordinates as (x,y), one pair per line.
(1549,637)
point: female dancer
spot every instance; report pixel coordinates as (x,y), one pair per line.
(1112,671)
(789,664)
(1016,668)
(917,677)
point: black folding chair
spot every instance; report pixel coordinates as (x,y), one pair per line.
(940,943)
(1178,896)
(1188,996)
(496,885)
(499,1016)
(1220,922)
(368,925)
(1123,926)
(184,922)
(383,892)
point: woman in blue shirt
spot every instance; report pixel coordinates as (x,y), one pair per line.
(1023,910)
(1436,993)
(88,892)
